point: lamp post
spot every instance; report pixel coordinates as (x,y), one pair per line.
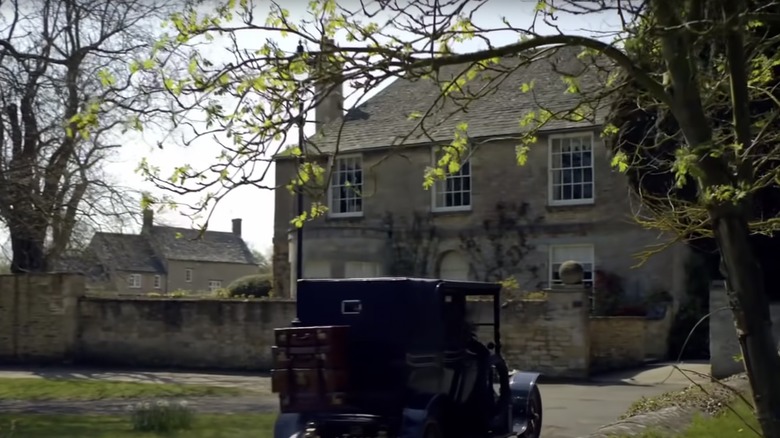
(299,200)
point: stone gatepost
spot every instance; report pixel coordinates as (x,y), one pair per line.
(569,316)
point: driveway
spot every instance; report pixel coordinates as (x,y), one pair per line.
(570,409)
(576,409)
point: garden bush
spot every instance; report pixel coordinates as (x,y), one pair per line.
(161,416)
(251,286)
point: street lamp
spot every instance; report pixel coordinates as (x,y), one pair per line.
(299,200)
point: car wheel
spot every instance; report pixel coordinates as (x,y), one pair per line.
(534,428)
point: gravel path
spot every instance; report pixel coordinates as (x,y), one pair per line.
(208,405)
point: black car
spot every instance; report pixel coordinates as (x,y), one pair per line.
(398,357)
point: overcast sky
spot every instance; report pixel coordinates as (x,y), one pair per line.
(256,206)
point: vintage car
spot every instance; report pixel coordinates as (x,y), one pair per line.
(398,357)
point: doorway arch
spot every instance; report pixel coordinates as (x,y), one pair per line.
(454,266)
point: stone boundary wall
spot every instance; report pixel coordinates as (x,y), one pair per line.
(548,336)
(47,318)
(38,317)
(724,346)
(616,342)
(194,333)
(624,341)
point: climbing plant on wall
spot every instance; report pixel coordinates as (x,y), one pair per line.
(497,249)
(413,243)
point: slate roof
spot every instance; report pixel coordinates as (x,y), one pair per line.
(126,252)
(144,252)
(85,264)
(383,120)
(213,246)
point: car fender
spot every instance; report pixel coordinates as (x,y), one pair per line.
(417,413)
(289,425)
(520,385)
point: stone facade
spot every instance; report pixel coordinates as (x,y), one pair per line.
(724,345)
(398,223)
(47,319)
(203,273)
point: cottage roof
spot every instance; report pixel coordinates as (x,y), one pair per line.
(145,252)
(126,252)
(190,245)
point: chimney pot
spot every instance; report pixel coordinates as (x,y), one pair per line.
(237,227)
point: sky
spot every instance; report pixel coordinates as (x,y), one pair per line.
(255,206)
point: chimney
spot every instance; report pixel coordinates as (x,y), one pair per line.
(148,220)
(237,227)
(328,88)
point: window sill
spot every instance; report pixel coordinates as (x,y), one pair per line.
(451,210)
(570,205)
(345,216)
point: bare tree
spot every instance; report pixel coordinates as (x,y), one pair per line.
(67,91)
(695,68)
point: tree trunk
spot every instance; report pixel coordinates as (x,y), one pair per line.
(746,286)
(28,250)
(750,305)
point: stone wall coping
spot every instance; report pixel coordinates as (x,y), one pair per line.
(567,289)
(187,300)
(622,318)
(45,275)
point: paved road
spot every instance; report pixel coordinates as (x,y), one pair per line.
(570,410)
(574,410)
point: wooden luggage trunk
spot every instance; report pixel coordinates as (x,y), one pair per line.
(310,367)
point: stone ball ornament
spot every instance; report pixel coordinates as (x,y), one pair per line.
(571,273)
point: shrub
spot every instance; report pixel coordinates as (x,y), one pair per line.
(252,286)
(161,416)
(178,293)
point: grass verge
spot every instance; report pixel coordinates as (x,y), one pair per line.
(727,424)
(33,389)
(710,398)
(103,426)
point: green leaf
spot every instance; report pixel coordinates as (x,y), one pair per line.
(620,161)
(106,78)
(521,152)
(609,130)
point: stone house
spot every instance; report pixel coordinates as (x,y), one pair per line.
(164,259)
(493,219)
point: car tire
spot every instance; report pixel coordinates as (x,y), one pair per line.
(535,412)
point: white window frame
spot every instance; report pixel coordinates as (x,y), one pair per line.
(552,269)
(188,275)
(157,281)
(439,185)
(215,285)
(552,171)
(332,212)
(134,281)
